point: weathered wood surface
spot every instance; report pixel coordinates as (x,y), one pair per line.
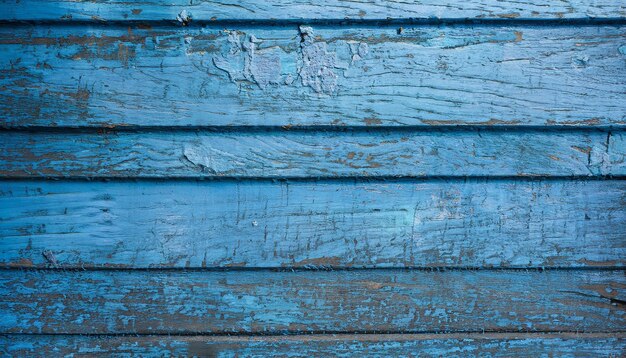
(162,302)
(304,9)
(336,345)
(201,89)
(302,154)
(283,76)
(442,223)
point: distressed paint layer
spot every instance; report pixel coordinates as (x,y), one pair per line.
(100,10)
(175,73)
(283,76)
(314,301)
(279,154)
(445,223)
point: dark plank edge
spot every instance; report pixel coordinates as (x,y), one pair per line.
(443,127)
(318,179)
(492,344)
(303,269)
(41,178)
(339,336)
(327,22)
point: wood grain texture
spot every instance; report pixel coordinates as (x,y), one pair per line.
(311,301)
(342,345)
(328,76)
(441,223)
(303,154)
(204,10)
(155,94)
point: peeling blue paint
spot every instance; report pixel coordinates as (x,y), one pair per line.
(296,178)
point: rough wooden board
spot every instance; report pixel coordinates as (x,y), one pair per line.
(440,223)
(302,154)
(336,345)
(283,76)
(172,10)
(169,301)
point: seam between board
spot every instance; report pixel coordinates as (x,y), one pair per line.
(302,269)
(431,21)
(234,334)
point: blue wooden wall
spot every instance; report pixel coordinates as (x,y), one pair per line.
(312,178)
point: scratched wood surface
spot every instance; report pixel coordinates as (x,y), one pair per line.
(445,223)
(321,75)
(302,154)
(162,302)
(376,345)
(384,178)
(101,10)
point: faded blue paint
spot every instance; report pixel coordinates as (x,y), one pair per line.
(435,223)
(162,302)
(357,76)
(554,88)
(313,153)
(67,10)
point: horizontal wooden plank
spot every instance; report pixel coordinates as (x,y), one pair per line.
(182,10)
(144,302)
(329,76)
(301,154)
(441,223)
(337,345)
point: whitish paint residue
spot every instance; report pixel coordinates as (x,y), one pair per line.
(317,67)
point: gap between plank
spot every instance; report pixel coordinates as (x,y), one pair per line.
(311,268)
(342,335)
(587,21)
(260,129)
(318,179)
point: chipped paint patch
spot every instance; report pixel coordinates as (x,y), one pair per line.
(317,69)
(247,62)
(209,159)
(263,67)
(359,50)
(184,18)
(50,257)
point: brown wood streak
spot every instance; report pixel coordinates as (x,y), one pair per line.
(409,345)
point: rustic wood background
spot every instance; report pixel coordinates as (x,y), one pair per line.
(312,178)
